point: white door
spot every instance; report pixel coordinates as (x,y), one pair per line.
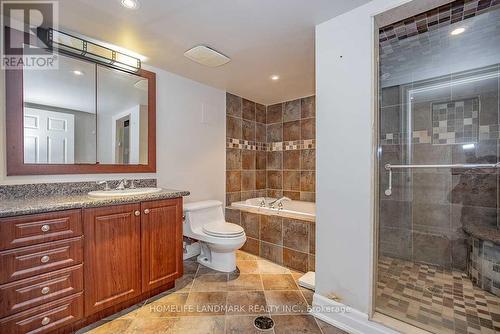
(49,137)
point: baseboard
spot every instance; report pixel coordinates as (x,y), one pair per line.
(345,318)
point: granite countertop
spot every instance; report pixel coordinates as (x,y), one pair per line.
(483,232)
(24,206)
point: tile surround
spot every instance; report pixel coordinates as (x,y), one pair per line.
(277,138)
(285,241)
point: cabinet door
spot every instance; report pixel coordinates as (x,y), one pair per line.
(161,242)
(112,256)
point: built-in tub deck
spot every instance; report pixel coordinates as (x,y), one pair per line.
(290,209)
(284,234)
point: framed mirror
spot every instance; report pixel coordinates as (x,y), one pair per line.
(83,117)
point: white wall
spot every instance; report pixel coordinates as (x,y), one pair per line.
(344,102)
(190,155)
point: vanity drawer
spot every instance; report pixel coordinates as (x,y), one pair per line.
(45,318)
(34,229)
(29,261)
(30,292)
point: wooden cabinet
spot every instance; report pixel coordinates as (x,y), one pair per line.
(130,250)
(45,318)
(28,261)
(64,270)
(112,255)
(30,292)
(35,229)
(161,242)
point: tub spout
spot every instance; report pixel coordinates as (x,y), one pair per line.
(279,201)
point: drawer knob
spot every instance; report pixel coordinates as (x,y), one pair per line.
(137,213)
(45,321)
(146,211)
(45,228)
(45,259)
(45,290)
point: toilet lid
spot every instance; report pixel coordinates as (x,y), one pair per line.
(223,229)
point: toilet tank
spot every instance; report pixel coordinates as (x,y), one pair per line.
(198,214)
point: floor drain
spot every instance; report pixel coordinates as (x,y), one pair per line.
(264,323)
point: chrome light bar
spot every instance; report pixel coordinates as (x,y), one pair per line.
(85,49)
(389,167)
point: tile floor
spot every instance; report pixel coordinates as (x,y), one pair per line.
(435,299)
(206,301)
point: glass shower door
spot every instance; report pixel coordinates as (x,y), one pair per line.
(439,237)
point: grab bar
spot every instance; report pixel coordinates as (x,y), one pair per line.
(389,167)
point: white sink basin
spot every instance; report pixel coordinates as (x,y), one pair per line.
(124,192)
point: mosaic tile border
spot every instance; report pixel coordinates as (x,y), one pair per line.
(486,132)
(245,144)
(433,19)
(270,147)
(397,138)
(491,131)
(455,122)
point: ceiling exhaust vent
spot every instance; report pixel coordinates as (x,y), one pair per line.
(206,56)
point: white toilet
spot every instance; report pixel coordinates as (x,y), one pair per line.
(204,221)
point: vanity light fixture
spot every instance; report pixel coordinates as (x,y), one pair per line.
(458,31)
(275,77)
(81,48)
(130,4)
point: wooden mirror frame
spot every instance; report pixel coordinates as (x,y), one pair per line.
(15,127)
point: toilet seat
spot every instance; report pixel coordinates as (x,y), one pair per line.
(223,230)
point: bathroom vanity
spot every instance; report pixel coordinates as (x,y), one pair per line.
(68,259)
(64,269)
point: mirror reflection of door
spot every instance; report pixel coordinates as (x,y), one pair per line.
(75,115)
(122,117)
(49,137)
(60,114)
(122,141)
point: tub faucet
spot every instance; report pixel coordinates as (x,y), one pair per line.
(122,184)
(106,185)
(262,202)
(279,201)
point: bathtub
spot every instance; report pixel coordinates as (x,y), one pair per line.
(291,209)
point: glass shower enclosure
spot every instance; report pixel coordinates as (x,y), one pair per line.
(438,152)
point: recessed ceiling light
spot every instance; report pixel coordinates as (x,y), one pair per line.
(275,77)
(130,4)
(77,72)
(457,31)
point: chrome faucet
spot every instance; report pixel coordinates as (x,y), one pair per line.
(279,201)
(121,185)
(262,202)
(106,185)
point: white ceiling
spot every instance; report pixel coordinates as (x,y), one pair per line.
(262,37)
